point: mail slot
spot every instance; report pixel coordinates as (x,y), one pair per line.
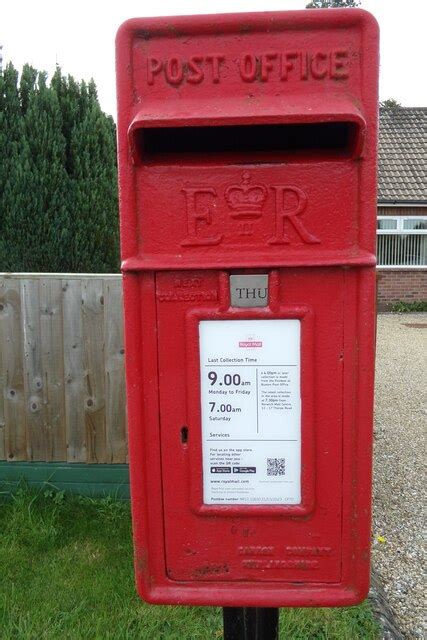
(247,168)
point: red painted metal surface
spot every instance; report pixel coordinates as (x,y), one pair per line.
(247,144)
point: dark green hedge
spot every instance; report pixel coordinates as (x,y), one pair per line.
(58,184)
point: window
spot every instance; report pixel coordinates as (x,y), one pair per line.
(402,241)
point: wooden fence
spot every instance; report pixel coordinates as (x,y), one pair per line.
(62,389)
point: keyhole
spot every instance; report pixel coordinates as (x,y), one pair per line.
(184,435)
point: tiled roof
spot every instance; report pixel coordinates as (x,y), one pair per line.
(403,155)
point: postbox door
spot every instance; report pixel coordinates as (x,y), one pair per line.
(272,543)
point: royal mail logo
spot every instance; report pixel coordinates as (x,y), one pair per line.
(250,344)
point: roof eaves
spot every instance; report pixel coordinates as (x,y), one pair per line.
(416,203)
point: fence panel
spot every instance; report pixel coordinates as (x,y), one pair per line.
(114,378)
(13,372)
(2,380)
(52,341)
(34,392)
(62,389)
(94,366)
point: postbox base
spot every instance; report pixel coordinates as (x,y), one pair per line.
(253,596)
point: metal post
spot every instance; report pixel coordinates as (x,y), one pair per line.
(251,623)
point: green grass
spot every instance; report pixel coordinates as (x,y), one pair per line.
(66,572)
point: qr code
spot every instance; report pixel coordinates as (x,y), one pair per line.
(275,466)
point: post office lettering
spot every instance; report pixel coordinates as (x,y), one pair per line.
(267,66)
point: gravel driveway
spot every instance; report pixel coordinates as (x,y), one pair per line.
(399,467)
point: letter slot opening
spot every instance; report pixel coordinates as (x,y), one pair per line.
(263,142)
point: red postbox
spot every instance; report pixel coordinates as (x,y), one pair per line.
(247,164)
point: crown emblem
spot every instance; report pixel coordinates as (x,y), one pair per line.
(246,200)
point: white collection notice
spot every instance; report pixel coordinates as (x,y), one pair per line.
(251,411)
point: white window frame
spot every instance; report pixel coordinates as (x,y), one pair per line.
(400,231)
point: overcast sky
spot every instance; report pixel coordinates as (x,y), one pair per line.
(79,36)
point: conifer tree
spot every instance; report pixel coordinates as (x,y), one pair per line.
(91,166)
(14,175)
(94,188)
(68,92)
(10,122)
(58,191)
(47,246)
(27,86)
